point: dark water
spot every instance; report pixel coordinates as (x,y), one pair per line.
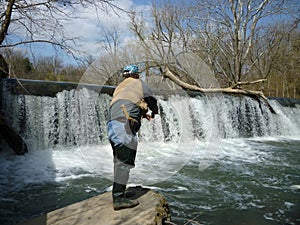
(257,190)
(250,181)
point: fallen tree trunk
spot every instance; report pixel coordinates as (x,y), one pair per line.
(248,82)
(256,94)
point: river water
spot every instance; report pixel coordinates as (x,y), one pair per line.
(217,160)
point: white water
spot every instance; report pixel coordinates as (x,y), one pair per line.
(66,135)
(77,118)
(221,157)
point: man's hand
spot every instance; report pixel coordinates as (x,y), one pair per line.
(148,117)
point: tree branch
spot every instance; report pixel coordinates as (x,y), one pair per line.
(173,76)
(248,82)
(7,19)
(33,41)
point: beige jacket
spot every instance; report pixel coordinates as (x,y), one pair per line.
(135,96)
(130,89)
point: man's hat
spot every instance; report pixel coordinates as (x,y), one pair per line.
(131,69)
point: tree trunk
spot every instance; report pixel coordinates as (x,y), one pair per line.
(7,19)
(256,94)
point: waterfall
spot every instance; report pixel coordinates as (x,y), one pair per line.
(77,117)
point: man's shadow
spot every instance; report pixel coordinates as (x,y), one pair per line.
(136,192)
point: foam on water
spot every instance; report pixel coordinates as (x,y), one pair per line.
(41,167)
(191,142)
(203,180)
(159,161)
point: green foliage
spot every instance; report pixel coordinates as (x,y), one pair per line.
(47,68)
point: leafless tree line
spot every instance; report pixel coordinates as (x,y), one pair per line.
(203,45)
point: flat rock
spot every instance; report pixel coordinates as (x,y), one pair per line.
(152,210)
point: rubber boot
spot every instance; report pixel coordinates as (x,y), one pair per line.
(129,193)
(123,203)
(119,199)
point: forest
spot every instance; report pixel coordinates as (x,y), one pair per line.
(216,44)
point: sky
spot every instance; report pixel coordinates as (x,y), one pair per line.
(93,24)
(90,26)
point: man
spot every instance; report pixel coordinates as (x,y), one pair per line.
(132,100)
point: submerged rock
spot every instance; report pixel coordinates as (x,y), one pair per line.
(152,210)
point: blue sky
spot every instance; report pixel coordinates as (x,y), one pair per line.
(89,28)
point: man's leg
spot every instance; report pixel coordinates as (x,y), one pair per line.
(124,158)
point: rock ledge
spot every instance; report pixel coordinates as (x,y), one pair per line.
(152,210)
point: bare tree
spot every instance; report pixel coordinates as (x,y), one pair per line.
(285,74)
(24,22)
(226,34)
(103,70)
(230,31)
(111,40)
(164,40)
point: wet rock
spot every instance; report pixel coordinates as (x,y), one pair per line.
(152,210)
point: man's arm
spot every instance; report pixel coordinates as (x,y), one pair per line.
(150,99)
(152,105)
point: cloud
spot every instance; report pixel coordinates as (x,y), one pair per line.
(86,26)
(91,24)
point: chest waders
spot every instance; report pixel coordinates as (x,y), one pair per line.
(124,158)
